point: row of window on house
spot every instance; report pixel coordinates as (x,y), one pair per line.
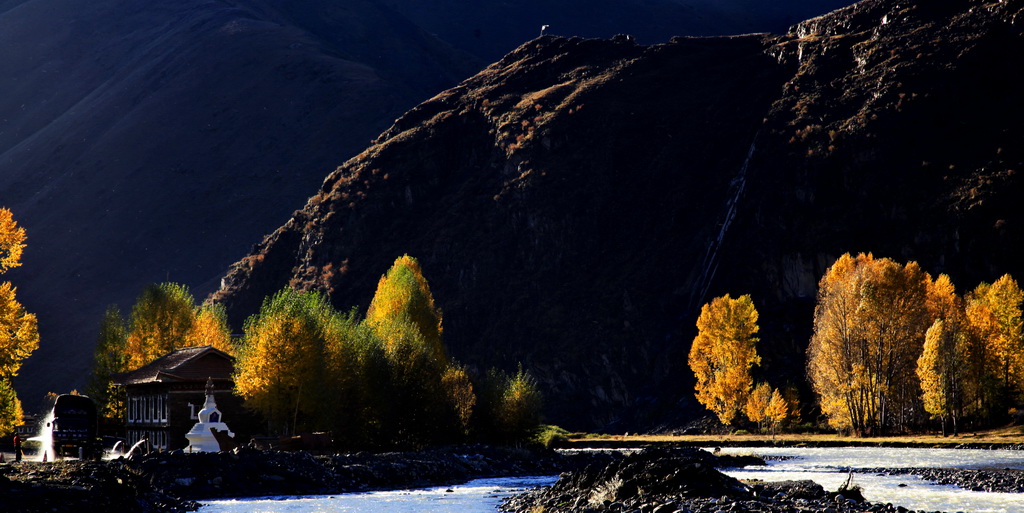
(147,408)
(156,439)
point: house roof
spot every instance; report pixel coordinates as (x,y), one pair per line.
(182,364)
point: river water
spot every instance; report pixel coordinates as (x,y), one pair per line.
(477,496)
(830,467)
(826,466)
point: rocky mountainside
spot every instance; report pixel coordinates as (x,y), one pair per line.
(575,203)
(151,141)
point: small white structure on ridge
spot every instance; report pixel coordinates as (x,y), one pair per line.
(201,437)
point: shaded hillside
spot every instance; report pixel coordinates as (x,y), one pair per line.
(575,203)
(141,142)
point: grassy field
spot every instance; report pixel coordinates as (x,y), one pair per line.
(1010,435)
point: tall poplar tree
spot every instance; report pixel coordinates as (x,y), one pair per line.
(994,314)
(19,335)
(723,354)
(403,301)
(109,359)
(280,366)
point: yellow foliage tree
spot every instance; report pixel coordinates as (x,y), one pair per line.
(279,370)
(757,404)
(10,408)
(12,241)
(160,321)
(869,324)
(994,315)
(944,370)
(210,328)
(19,334)
(723,353)
(403,301)
(778,410)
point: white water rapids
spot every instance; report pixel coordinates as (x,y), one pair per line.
(829,467)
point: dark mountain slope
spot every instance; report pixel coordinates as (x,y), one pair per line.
(575,203)
(157,140)
(526,192)
(141,142)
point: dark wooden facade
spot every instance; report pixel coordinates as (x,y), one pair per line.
(164,397)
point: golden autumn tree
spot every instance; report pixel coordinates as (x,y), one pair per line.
(723,354)
(403,301)
(19,335)
(280,366)
(778,410)
(12,241)
(756,408)
(161,319)
(994,315)
(869,325)
(944,370)
(210,328)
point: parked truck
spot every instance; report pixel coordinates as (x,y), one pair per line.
(72,426)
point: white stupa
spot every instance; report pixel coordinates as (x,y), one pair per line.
(201,437)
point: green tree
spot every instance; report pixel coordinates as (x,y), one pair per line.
(19,335)
(355,383)
(109,358)
(723,354)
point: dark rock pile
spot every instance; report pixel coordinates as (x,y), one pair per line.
(249,472)
(979,480)
(676,481)
(83,486)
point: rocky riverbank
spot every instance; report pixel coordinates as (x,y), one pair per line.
(680,480)
(171,482)
(77,486)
